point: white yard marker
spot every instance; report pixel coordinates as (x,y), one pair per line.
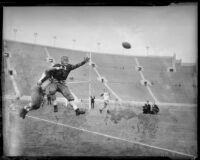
(110,136)
(143,78)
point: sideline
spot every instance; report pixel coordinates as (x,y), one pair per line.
(61,99)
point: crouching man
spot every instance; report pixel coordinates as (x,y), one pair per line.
(147,108)
(57,75)
(155,109)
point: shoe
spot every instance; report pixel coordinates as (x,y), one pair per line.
(55,108)
(23,113)
(78,112)
(100,110)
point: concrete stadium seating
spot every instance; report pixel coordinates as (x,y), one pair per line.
(30,62)
(166,84)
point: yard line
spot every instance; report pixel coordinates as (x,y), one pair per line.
(148,88)
(61,99)
(110,136)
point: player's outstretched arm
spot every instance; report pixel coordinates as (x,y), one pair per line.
(86,59)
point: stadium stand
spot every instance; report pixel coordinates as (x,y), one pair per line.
(29,62)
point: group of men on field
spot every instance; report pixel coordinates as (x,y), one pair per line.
(150,109)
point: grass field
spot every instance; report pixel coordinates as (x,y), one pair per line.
(124,131)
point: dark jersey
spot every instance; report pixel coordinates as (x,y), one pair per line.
(92,99)
(60,72)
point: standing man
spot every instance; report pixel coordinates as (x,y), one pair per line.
(92,101)
(57,75)
(106,97)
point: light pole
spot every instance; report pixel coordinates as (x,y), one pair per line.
(147,50)
(35,37)
(74,42)
(15,33)
(54,40)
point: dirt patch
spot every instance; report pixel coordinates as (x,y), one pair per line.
(117,116)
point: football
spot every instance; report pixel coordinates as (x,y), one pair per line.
(126,45)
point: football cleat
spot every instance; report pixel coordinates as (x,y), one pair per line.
(78,112)
(100,110)
(55,108)
(23,113)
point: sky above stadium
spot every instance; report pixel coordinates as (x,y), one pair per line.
(160,31)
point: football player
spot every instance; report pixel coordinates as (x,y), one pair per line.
(106,97)
(57,76)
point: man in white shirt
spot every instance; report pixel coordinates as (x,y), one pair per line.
(106,97)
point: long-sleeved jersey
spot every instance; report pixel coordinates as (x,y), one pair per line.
(60,72)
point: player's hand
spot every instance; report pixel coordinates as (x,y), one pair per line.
(86,59)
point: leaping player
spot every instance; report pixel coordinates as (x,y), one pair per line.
(106,97)
(57,76)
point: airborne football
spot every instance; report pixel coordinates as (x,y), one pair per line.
(126,45)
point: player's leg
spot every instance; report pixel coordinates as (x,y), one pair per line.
(103,107)
(64,90)
(55,106)
(49,99)
(36,100)
(54,102)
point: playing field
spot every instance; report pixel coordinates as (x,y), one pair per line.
(123,131)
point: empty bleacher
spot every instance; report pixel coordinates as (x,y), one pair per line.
(168,86)
(30,61)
